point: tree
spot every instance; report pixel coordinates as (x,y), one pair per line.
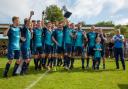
(123,29)
(103,23)
(54,13)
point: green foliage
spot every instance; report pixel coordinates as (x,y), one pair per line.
(123,29)
(103,23)
(54,13)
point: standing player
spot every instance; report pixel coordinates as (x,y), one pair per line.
(103,40)
(67,44)
(73,27)
(49,44)
(79,43)
(25,45)
(91,38)
(37,43)
(13,34)
(118,40)
(58,39)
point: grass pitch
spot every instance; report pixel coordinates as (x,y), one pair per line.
(110,78)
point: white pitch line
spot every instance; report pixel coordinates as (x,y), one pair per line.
(35,82)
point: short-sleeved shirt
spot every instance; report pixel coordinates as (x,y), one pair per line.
(118,41)
(97,53)
(48,37)
(14,38)
(91,38)
(37,37)
(58,35)
(25,32)
(67,35)
(79,38)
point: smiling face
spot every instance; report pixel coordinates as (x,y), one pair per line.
(118,31)
(38,24)
(100,30)
(60,26)
(93,28)
(15,20)
(49,25)
(98,39)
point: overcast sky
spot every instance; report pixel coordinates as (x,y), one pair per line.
(89,11)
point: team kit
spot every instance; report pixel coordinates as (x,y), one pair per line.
(56,44)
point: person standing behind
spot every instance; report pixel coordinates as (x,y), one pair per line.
(13,34)
(103,40)
(118,41)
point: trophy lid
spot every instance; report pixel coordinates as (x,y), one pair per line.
(67,14)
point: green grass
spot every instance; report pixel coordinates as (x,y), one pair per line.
(73,79)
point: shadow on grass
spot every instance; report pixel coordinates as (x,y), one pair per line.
(78,69)
(123,86)
(31,71)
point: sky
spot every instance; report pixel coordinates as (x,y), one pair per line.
(89,11)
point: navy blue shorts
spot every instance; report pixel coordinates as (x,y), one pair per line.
(60,50)
(38,50)
(79,49)
(90,51)
(103,51)
(73,49)
(13,54)
(48,49)
(26,53)
(68,48)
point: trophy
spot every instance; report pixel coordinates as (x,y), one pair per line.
(31,12)
(67,14)
(43,15)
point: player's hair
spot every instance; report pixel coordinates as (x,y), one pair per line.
(26,20)
(33,21)
(38,21)
(14,18)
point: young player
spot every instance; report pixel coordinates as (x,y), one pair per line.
(73,27)
(49,44)
(58,39)
(67,44)
(91,39)
(13,34)
(118,41)
(103,40)
(97,53)
(37,43)
(26,34)
(79,43)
